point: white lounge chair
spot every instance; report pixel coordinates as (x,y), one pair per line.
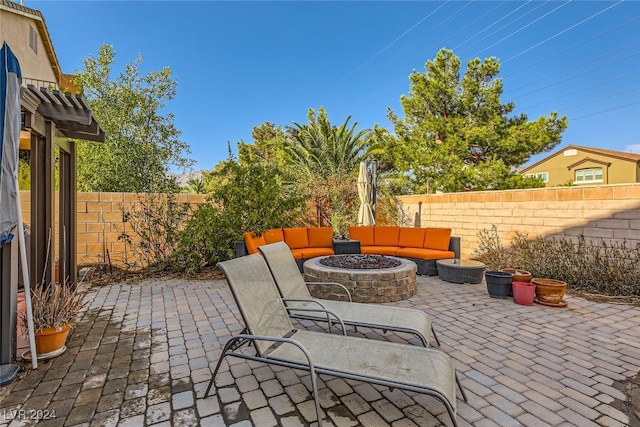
(295,295)
(276,341)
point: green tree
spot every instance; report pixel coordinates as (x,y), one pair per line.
(141,143)
(457,135)
(242,197)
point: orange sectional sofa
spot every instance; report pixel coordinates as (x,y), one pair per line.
(421,245)
(305,243)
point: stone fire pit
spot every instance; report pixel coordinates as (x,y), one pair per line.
(386,279)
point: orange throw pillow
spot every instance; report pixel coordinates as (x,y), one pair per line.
(252,242)
(386,235)
(364,234)
(274,235)
(296,238)
(411,237)
(320,237)
(437,238)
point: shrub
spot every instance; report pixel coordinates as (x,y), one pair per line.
(588,266)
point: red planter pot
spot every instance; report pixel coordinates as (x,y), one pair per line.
(523,293)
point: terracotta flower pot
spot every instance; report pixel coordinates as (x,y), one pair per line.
(550,291)
(49,340)
(519,275)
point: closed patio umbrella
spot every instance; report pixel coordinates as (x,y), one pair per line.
(365,215)
(10,212)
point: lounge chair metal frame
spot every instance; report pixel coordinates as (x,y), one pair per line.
(276,341)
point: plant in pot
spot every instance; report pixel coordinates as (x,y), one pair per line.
(55,308)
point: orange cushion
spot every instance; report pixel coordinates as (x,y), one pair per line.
(274,235)
(379,250)
(411,237)
(426,254)
(296,238)
(297,253)
(437,238)
(252,242)
(386,235)
(320,237)
(363,234)
(314,252)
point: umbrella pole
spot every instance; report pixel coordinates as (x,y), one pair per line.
(27,284)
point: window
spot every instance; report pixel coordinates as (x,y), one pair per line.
(585,176)
(543,175)
(33,39)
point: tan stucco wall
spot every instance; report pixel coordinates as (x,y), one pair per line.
(14,29)
(619,172)
(611,212)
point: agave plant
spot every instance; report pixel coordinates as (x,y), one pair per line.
(53,306)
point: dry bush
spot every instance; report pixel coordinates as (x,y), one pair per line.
(588,266)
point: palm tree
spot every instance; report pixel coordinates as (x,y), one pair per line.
(323,160)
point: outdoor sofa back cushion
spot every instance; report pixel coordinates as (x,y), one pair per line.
(364,234)
(274,235)
(411,237)
(437,238)
(296,238)
(320,237)
(252,242)
(386,235)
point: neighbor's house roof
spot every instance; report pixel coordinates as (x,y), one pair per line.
(621,155)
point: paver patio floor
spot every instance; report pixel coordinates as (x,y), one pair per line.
(143,353)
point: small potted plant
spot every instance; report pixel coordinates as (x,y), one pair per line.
(55,308)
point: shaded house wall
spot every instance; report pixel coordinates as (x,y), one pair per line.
(23,29)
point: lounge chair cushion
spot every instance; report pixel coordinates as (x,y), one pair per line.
(386,235)
(363,234)
(252,241)
(411,237)
(296,238)
(320,237)
(274,235)
(437,238)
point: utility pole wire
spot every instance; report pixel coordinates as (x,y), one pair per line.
(561,32)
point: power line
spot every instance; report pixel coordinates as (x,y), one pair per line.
(526,26)
(562,32)
(613,95)
(579,75)
(388,45)
(618,78)
(561,52)
(619,107)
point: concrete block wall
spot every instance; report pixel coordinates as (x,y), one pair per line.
(100,223)
(611,212)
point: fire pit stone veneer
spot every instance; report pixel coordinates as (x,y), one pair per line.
(366,285)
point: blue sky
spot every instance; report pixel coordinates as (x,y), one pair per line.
(239,64)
